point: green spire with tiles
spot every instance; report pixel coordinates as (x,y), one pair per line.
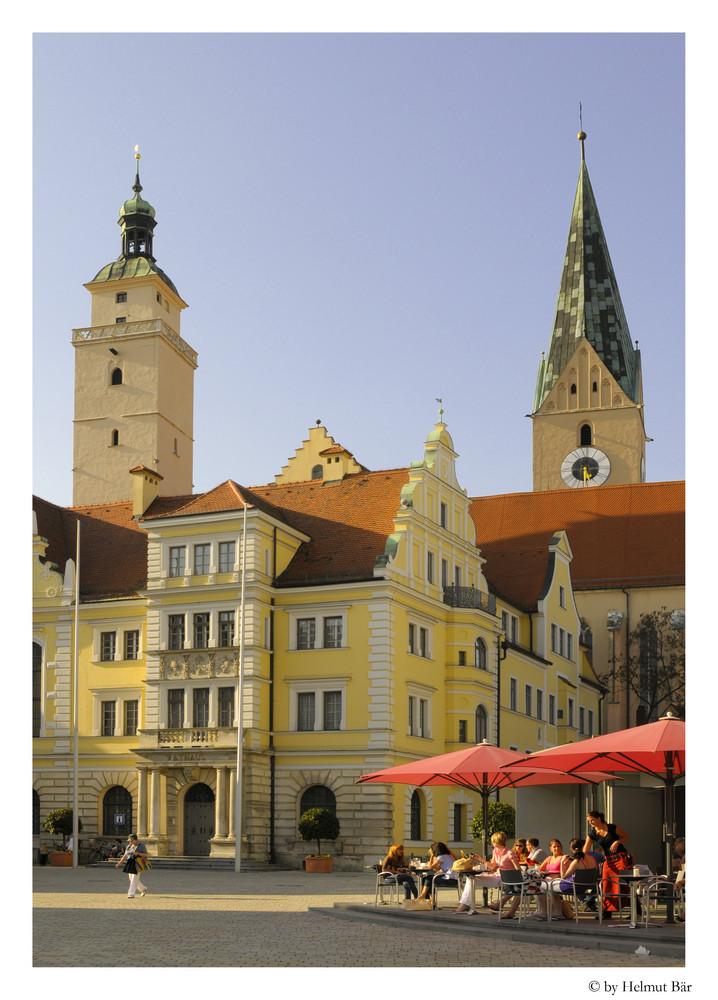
(589,303)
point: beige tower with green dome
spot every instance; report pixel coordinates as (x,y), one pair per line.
(134,374)
(588,408)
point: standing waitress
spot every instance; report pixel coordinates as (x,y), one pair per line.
(610,838)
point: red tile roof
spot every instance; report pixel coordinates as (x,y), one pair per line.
(620,535)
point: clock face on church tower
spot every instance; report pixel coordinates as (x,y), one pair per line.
(585,467)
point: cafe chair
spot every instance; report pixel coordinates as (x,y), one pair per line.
(385,881)
(656,892)
(514,884)
(439,883)
(586,885)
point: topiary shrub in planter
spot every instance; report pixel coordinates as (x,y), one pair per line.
(502,816)
(59,821)
(318,824)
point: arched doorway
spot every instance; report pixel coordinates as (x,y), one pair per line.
(198,820)
(117,812)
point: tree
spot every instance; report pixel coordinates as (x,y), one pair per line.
(59,821)
(655,669)
(319,824)
(502,816)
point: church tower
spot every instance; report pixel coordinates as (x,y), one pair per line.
(588,409)
(134,375)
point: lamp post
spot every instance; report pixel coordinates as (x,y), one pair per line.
(240,700)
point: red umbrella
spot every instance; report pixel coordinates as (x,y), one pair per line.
(657,748)
(482,769)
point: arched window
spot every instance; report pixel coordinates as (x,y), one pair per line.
(482,724)
(573,388)
(36,688)
(586,436)
(35,812)
(415,831)
(116,377)
(317,472)
(480,655)
(318,797)
(115,438)
(117,812)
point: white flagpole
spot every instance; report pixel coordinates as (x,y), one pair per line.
(240,693)
(75,688)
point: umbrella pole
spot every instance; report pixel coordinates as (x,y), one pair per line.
(670,816)
(485,809)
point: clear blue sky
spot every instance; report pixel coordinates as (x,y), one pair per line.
(360,223)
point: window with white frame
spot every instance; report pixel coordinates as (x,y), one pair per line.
(551,710)
(115,712)
(514,694)
(317,705)
(131,641)
(562,596)
(589,731)
(528,699)
(443,515)
(200,707)
(108,645)
(226,557)
(561,642)
(318,631)
(539,703)
(177,560)
(175,631)
(481,655)
(175,708)
(201,559)
(419,640)
(225,707)
(108,711)
(582,721)
(444,572)
(200,630)
(130,717)
(420,699)
(225,636)
(570,712)
(430,568)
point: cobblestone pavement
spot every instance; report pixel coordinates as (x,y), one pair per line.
(218,919)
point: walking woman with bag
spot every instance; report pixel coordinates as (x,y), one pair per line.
(135,862)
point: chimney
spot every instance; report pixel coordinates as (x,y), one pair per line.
(145,488)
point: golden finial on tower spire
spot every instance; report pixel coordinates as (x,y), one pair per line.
(137,152)
(581,134)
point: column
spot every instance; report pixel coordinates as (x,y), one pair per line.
(155,777)
(232,800)
(220,804)
(141,803)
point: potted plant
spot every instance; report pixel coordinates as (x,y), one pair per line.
(59,822)
(318,824)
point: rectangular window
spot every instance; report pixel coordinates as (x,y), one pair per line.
(570,712)
(201,560)
(505,623)
(306,631)
(590,722)
(423,642)
(528,693)
(514,629)
(226,557)
(561,642)
(332,709)
(175,708)
(200,630)
(423,717)
(457,575)
(412,638)
(552,709)
(462,731)
(107,646)
(562,597)
(444,573)
(418,716)
(225,699)
(514,695)
(107,725)
(430,567)
(131,717)
(121,297)
(333,632)
(569,645)
(200,708)
(582,721)
(175,632)
(459,812)
(305,711)
(120,319)
(132,644)
(539,704)
(226,628)
(443,515)
(177,553)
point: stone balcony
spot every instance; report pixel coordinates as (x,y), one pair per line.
(189,738)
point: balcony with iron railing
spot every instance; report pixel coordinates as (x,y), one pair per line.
(469,597)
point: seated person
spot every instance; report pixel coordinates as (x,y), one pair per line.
(550,869)
(395,863)
(574,861)
(501,858)
(521,851)
(536,853)
(679,854)
(440,860)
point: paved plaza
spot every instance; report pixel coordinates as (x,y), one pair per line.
(289,919)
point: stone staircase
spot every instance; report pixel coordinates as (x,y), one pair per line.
(212,864)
